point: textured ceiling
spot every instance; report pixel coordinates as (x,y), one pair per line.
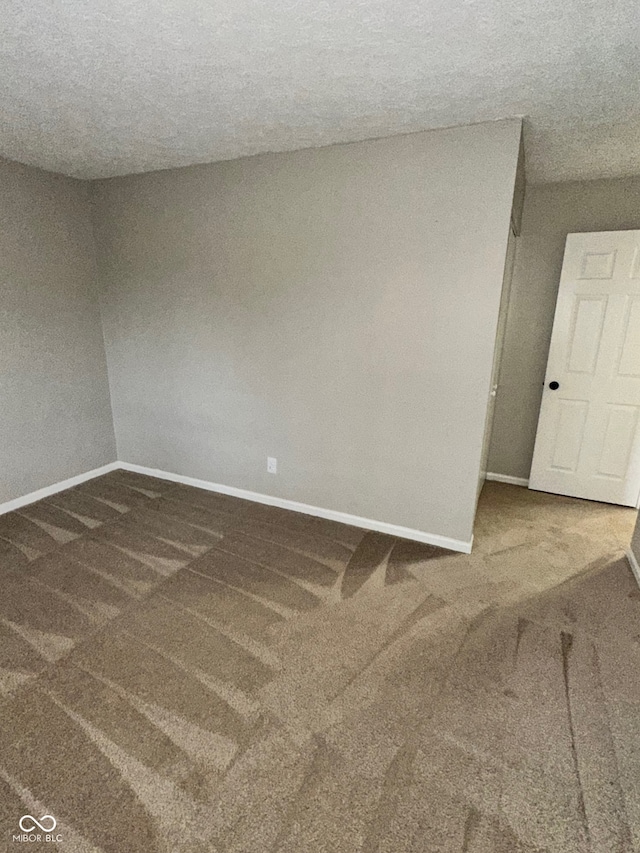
(95,88)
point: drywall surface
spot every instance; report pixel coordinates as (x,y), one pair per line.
(551,211)
(55,414)
(519,191)
(333,308)
(635,541)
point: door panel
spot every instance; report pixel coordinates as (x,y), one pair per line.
(622,424)
(588,438)
(571,420)
(588,319)
(629,361)
(597,264)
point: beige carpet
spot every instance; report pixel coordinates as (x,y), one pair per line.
(184,672)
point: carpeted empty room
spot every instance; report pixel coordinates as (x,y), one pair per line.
(187,671)
(319,427)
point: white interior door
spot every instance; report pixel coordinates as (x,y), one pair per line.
(588,438)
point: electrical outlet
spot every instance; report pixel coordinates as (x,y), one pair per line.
(272,465)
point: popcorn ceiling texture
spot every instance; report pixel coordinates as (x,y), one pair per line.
(112,87)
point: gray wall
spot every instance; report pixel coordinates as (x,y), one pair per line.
(335,308)
(55,415)
(635,541)
(551,211)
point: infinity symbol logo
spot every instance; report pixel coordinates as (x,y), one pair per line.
(39,823)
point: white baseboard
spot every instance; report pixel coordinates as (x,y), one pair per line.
(635,566)
(32,497)
(296,506)
(505,478)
